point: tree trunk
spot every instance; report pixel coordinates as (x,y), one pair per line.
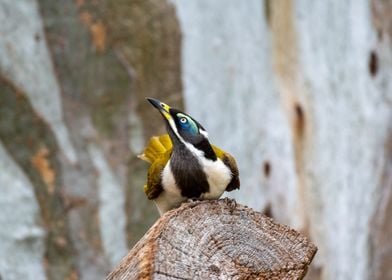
(303,91)
(299,91)
(217,240)
(73,80)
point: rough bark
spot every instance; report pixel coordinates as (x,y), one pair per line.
(303,90)
(299,91)
(73,79)
(217,240)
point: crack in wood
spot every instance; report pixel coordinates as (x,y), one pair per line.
(273,252)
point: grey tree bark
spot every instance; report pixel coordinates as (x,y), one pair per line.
(299,91)
(303,90)
(73,78)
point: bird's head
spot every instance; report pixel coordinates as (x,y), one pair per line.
(183,129)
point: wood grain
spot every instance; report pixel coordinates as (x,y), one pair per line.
(217,239)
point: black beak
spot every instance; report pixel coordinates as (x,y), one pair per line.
(163,108)
(155,102)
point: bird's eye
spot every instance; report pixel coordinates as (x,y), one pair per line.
(183,120)
(162,105)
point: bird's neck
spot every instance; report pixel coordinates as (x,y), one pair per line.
(203,146)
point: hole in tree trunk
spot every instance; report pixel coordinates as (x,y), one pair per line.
(267,11)
(373,63)
(299,119)
(268,210)
(267,169)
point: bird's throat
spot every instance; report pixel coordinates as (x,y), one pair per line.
(188,172)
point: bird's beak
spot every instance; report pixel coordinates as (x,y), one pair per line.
(162,108)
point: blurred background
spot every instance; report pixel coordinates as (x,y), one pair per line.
(300,92)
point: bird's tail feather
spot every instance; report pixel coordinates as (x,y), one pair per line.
(155,147)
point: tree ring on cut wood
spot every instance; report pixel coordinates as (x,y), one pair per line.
(217,240)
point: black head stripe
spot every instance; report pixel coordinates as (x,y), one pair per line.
(199,141)
(207,149)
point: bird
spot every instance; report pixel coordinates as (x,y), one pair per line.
(183,164)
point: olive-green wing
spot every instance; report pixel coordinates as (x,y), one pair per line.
(230,161)
(157,153)
(153,187)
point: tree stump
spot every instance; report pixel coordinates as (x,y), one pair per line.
(217,239)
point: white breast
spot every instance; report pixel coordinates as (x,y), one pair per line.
(218,177)
(171,196)
(218,174)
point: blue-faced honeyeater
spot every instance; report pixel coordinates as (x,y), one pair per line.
(183,163)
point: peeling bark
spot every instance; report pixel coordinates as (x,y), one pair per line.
(82,70)
(22,235)
(331,74)
(298,91)
(228,87)
(25,135)
(26,62)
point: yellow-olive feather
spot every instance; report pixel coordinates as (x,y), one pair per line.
(157,153)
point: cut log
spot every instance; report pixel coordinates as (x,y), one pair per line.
(217,239)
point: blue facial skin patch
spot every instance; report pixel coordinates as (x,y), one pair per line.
(187,124)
